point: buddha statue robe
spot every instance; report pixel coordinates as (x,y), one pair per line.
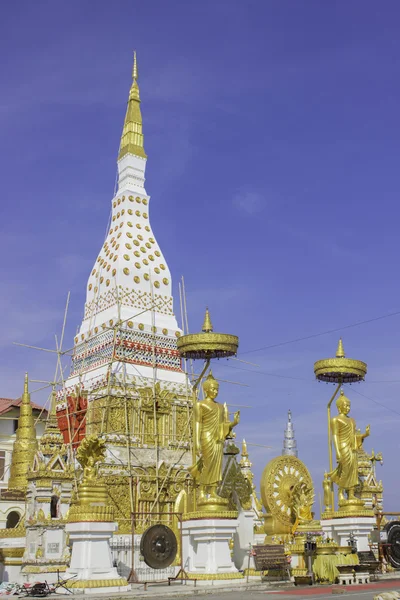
(347,442)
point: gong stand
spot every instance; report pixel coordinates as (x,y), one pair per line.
(379,516)
(182,575)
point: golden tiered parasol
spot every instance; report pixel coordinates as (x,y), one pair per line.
(207,345)
(338,370)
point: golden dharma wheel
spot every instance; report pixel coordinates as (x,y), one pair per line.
(207,344)
(278,482)
(340,369)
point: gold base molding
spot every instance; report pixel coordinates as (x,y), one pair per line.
(96,583)
(226,514)
(299,572)
(89,514)
(11,553)
(43,570)
(18,531)
(344,514)
(214,576)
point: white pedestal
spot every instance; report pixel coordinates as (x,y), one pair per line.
(10,569)
(243,537)
(206,552)
(91,563)
(339,530)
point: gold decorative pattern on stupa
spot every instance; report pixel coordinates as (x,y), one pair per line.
(132,134)
(25,444)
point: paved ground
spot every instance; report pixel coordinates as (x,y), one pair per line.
(361,592)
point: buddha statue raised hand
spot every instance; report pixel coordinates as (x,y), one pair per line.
(347,440)
(211,428)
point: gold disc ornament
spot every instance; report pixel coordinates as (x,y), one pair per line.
(278,482)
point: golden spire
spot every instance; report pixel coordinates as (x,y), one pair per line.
(207,325)
(51,422)
(51,441)
(132,135)
(25,444)
(245,461)
(340,350)
(135,76)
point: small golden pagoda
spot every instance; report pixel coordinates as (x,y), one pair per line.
(25,444)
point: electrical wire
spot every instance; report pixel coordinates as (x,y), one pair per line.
(375,401)
(314,381)
(327,332)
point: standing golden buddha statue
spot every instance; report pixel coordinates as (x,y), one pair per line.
(347,440)
(211,428)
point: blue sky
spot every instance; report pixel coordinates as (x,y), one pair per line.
(272,133)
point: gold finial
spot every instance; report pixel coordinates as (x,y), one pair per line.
(132,133)
(207,325)
(340,350)
(25,395)
(245,453)
(135,76)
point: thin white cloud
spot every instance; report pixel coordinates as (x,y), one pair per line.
(249,202)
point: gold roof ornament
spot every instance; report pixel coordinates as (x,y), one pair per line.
(25,444)
(132,133)
(340,369)
(208,344)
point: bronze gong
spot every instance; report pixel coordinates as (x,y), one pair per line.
(158,546)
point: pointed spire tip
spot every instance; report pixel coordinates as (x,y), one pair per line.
(340,349)
(207,325)
(135,74)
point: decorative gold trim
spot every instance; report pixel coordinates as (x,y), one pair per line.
(254,573)
(299,572)
(12,552)
(90,514)
(215,576)
(95,583)
(13,533)
(194,516)
(340,514)
(45,569)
